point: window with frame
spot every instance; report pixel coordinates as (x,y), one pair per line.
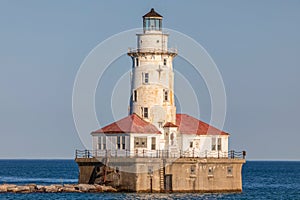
(153,143)
(166,95)
(229,171)
(165,62)
(146,78)
(191,144)
(134,95)
(160,124)
(193,169)
(121,142)
(213,144)
(140,142)
(172,137)
(137,62)
(219,144)
(145,112)
(210,171)
(118,142)
(102,142)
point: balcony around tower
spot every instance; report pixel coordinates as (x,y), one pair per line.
(134,52)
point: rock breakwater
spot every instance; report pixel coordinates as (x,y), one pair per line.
(55,188)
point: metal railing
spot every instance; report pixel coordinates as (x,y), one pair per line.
(143,153)
(152,50)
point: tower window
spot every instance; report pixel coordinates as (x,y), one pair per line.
(146,78)
(166,95)
(165,61)
(145,112)
(134,95)
(136,62)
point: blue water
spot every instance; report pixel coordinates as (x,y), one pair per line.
(261,180)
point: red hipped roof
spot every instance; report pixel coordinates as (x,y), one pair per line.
(190,125)
(186,125)
(130,124)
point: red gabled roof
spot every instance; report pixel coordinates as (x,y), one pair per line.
(190,125)
(130,124)
(170,124)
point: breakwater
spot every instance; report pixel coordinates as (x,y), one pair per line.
(55,188)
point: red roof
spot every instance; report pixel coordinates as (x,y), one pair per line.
(130,124)
(190,125)
(170,124)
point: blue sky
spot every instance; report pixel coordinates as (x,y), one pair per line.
(255,45)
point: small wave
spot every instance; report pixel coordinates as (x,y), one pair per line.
(19,180)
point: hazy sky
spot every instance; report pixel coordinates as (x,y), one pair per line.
(255,44)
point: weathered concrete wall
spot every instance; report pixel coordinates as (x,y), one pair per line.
(205,175)
(188,174)
(86,169)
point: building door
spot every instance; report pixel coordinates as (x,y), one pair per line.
(168,182)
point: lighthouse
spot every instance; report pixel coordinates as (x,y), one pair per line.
(155,148)
(152,123)
(152,81)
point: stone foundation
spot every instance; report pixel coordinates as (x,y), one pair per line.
(163,175)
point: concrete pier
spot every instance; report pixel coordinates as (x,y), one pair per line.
(163,174)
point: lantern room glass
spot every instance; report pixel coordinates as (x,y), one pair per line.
(152,24)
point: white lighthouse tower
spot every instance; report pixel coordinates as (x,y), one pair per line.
(153,124)
(152,82)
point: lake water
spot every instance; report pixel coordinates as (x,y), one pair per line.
(261,180)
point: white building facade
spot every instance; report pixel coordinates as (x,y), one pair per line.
(152,128)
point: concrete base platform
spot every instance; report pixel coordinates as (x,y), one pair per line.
(163,175)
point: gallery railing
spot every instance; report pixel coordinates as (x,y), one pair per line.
(152,50)
(160,154)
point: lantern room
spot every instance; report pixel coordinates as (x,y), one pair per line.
(152,21)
